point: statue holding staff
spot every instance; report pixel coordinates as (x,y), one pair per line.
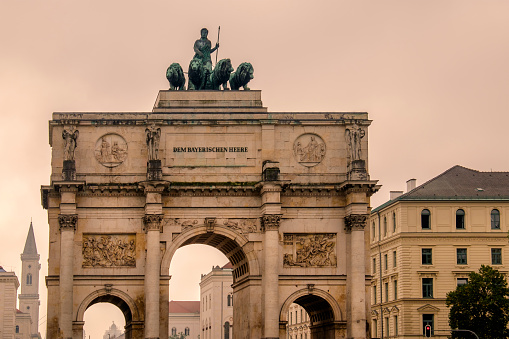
(203,50)
(70,143)
(153,136)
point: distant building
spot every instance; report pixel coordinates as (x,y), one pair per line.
(216,295)
(113,332)
(298,323)
(22,323)
(425,242)
(185,318)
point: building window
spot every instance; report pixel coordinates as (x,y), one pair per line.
(385,226)
(229,300)
(496,256)
(386,264)
(187,331)
(462,281)
(460,219)
(393,222)
(394,261)
(374,294)
(375,328)
(29,279)
(386,285)
(227,330)
(461,256)
(387,332)
(495,219)
(373,230)
(17,329)
(374,265)
(395,289)
(291,318)
(427,319)
(396,332)
(174,331)
(427,287)
(427,258)
(425,219)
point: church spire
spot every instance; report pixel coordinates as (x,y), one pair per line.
(30,246)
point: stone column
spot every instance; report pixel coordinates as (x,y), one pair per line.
(67,224)
(153,224)
(354,224)
(271,210)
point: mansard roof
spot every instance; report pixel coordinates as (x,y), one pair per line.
(177,306)
(30,246)
(459,183)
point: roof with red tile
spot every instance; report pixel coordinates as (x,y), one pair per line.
(177,306)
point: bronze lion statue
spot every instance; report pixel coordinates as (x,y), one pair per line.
(175,76)
(220,75)
(197,76)
(242,76)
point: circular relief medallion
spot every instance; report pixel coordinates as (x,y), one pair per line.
(111,150)
(309,149)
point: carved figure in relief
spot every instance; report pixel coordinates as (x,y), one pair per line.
(313,250)
(312,153)
(188,223)
(111,150)
(153,138)
(108,251)
(70,143)
(353,139)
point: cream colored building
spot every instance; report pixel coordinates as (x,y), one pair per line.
(298,323)
(185,318)
(8,289)
(426,241)
(216,296)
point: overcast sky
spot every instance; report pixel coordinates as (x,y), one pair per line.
(433,75)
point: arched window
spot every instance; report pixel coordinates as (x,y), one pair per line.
(17,329)
(186,331)
(227,330)
(174,331)
(425,219)
(229,300)
(460,219)
(495,219)
(29,279)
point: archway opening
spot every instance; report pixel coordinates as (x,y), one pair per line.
(311,317)
(201,295)
(105,317)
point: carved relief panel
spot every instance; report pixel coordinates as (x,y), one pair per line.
(309,250)
(109,250)
(111,150)
(309,149)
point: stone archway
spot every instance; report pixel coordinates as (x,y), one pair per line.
(326,319)
(133,317)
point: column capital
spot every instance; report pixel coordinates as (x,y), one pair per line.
(153,222)
(270,222)
(67,221)
(355,222)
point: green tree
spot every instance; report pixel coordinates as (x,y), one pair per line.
(178,336)
(481,305)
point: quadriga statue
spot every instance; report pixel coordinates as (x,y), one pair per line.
(196,74)
(175,76)
(220,75)
(242,76)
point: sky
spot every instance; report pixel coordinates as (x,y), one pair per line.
(432,74)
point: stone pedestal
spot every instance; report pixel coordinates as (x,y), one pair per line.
(154,170)
(69,170)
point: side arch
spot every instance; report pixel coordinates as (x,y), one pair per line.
(233,245)
(113,296)
(305,294)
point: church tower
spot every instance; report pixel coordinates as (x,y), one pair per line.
(29,297)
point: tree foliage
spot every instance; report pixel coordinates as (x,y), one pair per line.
(178,336)
(481,305)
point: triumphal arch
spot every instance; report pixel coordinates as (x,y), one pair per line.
(284,195)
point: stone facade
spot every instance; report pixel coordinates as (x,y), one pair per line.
(298,323)
(216,168)
(8,288)
(425,242)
